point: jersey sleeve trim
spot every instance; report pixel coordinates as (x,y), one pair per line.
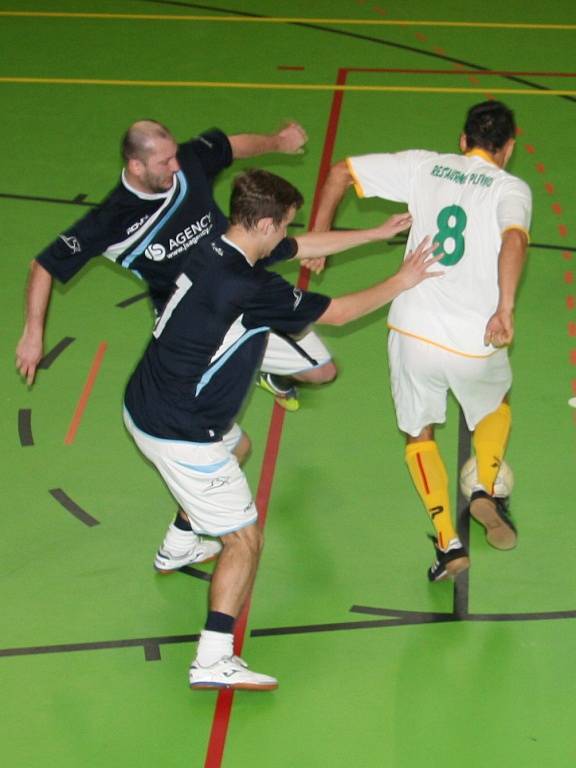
(518,227)
(355,180)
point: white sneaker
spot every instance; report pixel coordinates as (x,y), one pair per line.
(230,672)
(181,548)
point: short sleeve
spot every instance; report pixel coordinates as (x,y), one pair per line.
(283,307)
(514,209)
(211,149)
(386,175)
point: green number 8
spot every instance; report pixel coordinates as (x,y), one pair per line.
(451,223)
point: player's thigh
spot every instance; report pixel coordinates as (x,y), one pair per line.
(286,358)
(480,384)
(418,382)
(205,479)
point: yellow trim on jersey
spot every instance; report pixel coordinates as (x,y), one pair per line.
(440,346)
(356,181)
(484,154)
(520,227)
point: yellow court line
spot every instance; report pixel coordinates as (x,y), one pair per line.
(279,86)
(285,20)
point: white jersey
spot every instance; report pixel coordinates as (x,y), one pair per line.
(465,203)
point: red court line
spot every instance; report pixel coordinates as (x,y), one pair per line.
(82,402)
(475,72)
(223,709)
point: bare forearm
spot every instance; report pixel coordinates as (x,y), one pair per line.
(510,266)
(334,189)
(37,298)
(315,244)
(289,140)
(352,306)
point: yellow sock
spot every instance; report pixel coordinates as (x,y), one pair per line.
(431,480)
(489,440)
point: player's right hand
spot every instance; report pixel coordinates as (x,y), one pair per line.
(28,355)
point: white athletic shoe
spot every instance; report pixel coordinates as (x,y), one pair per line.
(230,672)
(181,548)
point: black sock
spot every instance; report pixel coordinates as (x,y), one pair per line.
(183,525)
(220,622)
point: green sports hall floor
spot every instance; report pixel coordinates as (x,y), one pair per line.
(377,668)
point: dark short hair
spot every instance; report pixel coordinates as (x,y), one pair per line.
(489,125)
(138,140)
(258,194)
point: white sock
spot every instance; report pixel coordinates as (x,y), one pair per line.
(213,646)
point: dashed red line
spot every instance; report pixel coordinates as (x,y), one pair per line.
(570,302)
(562,230)
(569,278)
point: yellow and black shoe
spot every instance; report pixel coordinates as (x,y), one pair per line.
(285,394)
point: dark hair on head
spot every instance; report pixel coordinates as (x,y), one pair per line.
(138,140)
(259,195)
(489,125)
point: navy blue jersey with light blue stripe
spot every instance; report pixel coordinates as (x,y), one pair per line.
(150,234)
(209,341)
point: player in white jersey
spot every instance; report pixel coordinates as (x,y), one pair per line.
(452,334)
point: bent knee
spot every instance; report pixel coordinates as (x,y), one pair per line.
(323,374)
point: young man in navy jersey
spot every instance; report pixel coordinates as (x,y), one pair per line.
(195,373)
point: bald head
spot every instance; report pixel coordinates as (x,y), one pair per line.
(140,139)
(150,157)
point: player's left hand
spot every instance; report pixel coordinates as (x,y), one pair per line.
(315,265)
(499,329)
(291,139)
(392,226)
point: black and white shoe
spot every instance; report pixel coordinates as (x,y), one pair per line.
(492,512)
(449,562)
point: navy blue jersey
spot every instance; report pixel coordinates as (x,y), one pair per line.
(150,233)
(209,341)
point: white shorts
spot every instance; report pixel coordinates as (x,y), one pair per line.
(283,359)
(421,375)
(204,478)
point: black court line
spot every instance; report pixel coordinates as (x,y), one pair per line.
(150,645)
(55,352)
(78,200)
(461,583)
(25,427)
(132,300)
(395,618)
(197,574)
(366,38)
(70,505)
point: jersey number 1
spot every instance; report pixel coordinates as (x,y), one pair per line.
(451,223)
(183,285)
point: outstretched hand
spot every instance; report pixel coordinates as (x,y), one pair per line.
(415,266)
(392,226)
(291,139)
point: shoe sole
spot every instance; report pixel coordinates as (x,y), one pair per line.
(236,687)
(453,568)
(498,534)
(167,571)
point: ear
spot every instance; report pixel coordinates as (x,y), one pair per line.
(507,150)
(135,166)
(463,143)
(264,226)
